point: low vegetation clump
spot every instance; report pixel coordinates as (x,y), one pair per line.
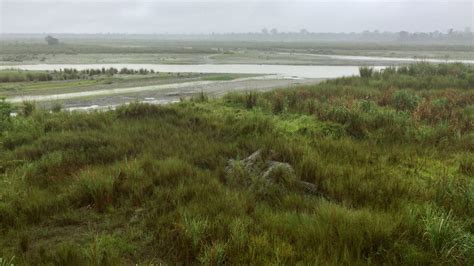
(66,74)
(388,157)
(219,77)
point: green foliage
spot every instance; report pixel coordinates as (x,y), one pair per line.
(200,97)
(5,109)
(404,101)
(18,76)
(219,78)
(447,238)
(28,108)
(466,165)
(388,158)
(56,108)
(366,72)
(214,254)
(278,103)
(7,262)
(106,250)
(250,99)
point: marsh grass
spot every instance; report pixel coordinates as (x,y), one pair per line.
(7,262)
(389,155)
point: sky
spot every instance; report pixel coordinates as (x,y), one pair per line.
(198,16)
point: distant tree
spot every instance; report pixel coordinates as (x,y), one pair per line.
(403,35)
(51,40)
(274,31)
(264,31)
(304,31)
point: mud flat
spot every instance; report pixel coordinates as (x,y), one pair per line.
(160,94)
(384,59)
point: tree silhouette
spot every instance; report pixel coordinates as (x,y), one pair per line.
(51,40)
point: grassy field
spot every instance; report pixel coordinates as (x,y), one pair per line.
(388,157)
(35,51)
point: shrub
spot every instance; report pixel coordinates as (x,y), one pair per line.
(5,109)
(404,101)
(214,254)
(170,171)
(200,97)
(470,80)
(278,103)
(7,262)
(250,99)
(49,169)
(447,238)
(56,108)
(28,108)
(107,250)
(466,165)
(66,254)
(94,190)
(195,229)
(366,72)
(140,110)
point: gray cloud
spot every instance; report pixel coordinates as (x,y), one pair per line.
(231,16)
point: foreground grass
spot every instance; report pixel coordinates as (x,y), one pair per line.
(390,154)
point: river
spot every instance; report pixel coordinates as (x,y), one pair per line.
(286,71)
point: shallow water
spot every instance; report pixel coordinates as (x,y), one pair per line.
(386,59)
(295,71)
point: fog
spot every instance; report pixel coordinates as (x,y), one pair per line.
(184,17)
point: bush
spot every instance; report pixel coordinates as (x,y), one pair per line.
(7,262)
(447,238)
(94,190)
(366,72)
(66,254)
(470,80)
(5,109)
(56,108)
(250,99)
(405,101)
(28,108)
(201,97)
(139,110)
(278,103)
(466,165)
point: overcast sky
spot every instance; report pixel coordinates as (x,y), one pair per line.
(128,16)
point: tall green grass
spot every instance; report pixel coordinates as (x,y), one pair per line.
(147,184)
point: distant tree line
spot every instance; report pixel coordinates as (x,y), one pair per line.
(72,73)
(450,35)
(19,76)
